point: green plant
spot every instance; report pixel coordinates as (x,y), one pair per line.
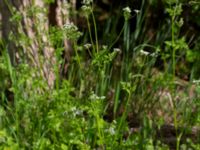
(109,97)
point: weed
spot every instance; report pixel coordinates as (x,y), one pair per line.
(109,98)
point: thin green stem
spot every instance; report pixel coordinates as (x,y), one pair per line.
(95,32)
(173,77)
(77,55)
(126,35)
(90,34)
(178,141)
(113,43)
(173,51)
(124,113)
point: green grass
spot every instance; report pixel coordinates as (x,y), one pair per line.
(109,99)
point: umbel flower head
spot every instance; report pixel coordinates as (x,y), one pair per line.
(71,31)
(87,7)
(127,13)
(87,2)
(86,10)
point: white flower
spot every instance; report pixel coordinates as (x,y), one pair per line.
(136,11)
(117,50)
(96,97)
(76,112)
(105,47)
(86,10)
(154,54)
(127,13)
(127,10)
(70,26)
(144,52)
(87,2)
(88,45)
(196,81)
(71,31)
(111,130)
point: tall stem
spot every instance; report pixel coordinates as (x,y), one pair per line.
(95,32)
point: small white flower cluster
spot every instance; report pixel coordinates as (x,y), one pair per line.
(87,7)
(70,26)
(127,13)
(136,11)
(76,112)
(117,50)
(88,45)
(71,31)
(196,81)
(86,10)
(127,10)
(104,47)
(96,97)
(146,53)
(87,2)
(112,128)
